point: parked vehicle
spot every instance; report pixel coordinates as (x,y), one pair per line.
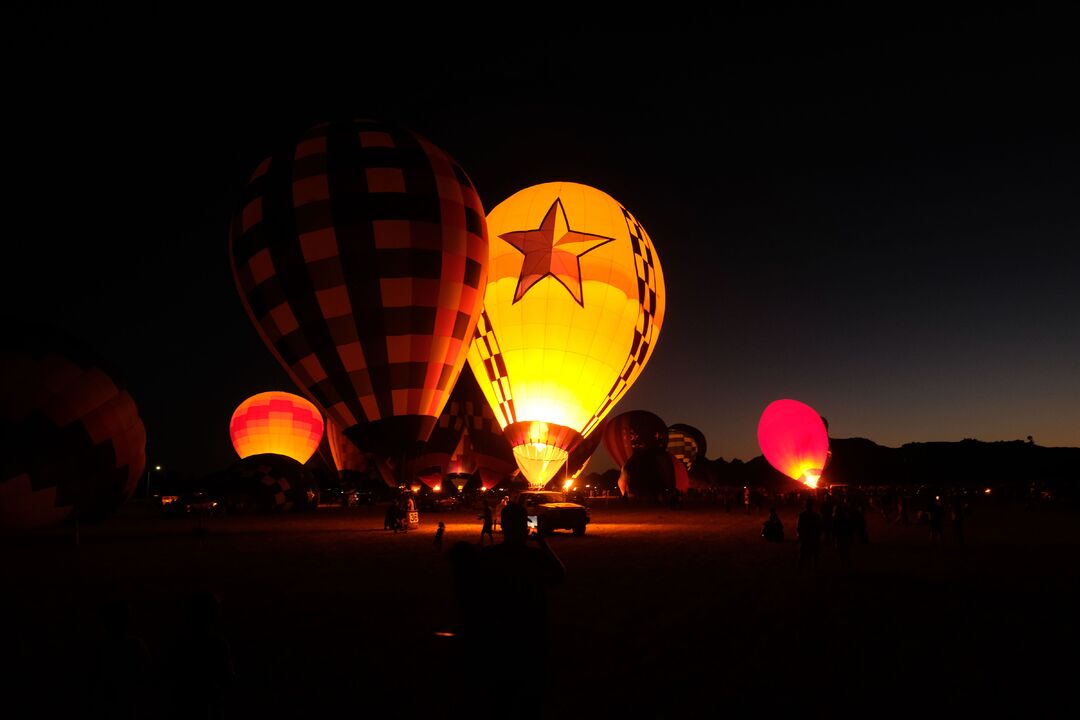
(549,510)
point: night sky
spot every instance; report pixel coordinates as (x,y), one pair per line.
(879,216)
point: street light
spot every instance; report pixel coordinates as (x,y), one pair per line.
(157,468)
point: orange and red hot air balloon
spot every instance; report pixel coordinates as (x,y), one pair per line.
(361,254)
(794,440)
(279,423)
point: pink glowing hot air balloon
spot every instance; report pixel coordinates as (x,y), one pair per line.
(794,440)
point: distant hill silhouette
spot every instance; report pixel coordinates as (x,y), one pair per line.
(858,461)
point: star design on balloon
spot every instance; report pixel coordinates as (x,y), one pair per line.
(554,250)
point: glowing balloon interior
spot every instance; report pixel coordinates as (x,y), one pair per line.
(572,311)
(794,440)
(279,423)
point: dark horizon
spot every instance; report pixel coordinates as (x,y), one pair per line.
(876,216)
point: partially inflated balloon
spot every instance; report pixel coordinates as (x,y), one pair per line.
(794,440)
(276,422)
(72,444)
(360,253)
(631,431)
(572,312)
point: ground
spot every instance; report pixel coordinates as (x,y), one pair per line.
(663,614)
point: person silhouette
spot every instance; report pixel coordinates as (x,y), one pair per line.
(486,516)
(439,534)
(843,532)
(773,528)
(937,520)
(958,519)
(201,665)
(512,577)
(808,530)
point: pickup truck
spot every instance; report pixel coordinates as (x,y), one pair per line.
(548,510)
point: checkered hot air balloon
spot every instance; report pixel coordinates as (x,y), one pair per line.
(361,256)
(572,312)
(73,444)
(686,443)
(468,436)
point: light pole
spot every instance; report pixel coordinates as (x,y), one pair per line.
(157,468)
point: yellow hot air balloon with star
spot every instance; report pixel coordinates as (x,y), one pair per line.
(572,312)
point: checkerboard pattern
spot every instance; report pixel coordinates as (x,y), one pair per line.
(646,329)
(686,443)
(488,346)
(468,413)
(360,254)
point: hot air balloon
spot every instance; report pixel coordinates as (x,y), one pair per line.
(74,445)
(628,432)
(572,312)
(686,443)
(266,483)
(653,473)
(469,413)
(360,254)
(794,440)
(347,457)
(276,422)
(351,461)
(581,453)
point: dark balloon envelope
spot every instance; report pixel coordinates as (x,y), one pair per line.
(467,438)
(266,483)
(360,252)
(631,431)
(74,445)
(653,473)
(582,452)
